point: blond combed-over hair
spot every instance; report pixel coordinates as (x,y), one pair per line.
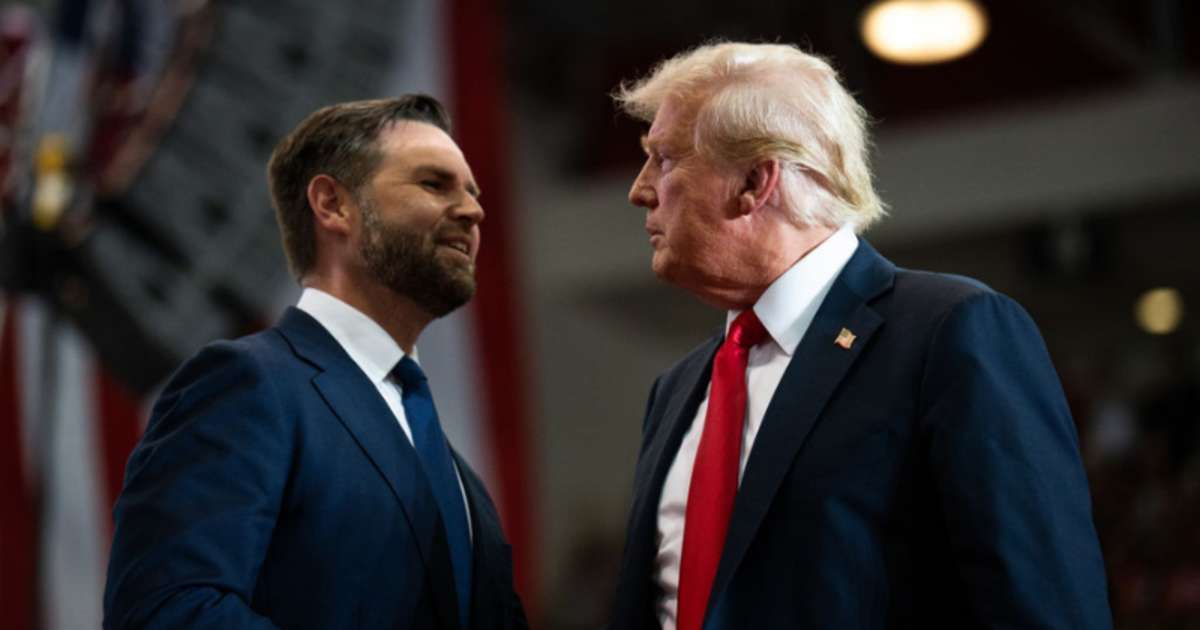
(752,102)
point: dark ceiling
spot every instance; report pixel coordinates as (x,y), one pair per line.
(566,57)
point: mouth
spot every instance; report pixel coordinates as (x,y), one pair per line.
(656,235)
(462,246)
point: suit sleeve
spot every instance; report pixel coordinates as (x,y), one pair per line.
(1004,456)
(201,496)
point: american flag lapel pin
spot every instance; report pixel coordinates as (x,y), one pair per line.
(845,339)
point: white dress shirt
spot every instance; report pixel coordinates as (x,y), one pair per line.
(373,350)
(786,309)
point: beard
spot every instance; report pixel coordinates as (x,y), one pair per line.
(407,262)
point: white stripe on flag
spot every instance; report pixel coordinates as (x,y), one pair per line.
(74,552)
(420,64)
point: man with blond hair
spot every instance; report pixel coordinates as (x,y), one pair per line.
(862,446)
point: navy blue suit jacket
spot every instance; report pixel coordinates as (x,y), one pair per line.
(927,477)
(274,488)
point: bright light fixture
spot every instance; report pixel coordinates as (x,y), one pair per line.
(1159,311)
(923,31)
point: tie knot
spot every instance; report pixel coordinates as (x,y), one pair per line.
(746,331)
(408,373)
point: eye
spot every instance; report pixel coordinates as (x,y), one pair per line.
(432,184)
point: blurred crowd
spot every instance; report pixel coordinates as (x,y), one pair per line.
(1142,462)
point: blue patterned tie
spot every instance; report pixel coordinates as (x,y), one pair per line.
(434,453)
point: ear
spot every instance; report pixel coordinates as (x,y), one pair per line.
(760,184)
(330,203)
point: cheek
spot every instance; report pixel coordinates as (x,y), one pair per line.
(674,202)
(685,214)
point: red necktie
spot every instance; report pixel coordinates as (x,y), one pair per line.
(715,472)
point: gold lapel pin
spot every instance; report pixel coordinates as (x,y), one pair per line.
(845,339)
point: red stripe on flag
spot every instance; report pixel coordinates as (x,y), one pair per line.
(477,89)
(118,414)
(18,603)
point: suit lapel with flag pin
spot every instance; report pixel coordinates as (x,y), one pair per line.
(799,400)
(845,339)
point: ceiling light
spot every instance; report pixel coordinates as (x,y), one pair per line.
(923,31)
(1159,311)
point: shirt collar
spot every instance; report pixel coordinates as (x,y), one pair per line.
(790,303)
(367,343)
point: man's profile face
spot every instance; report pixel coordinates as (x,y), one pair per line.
(420,218)
(689,201)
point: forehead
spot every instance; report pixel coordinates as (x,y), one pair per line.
(672,123)
(414,144)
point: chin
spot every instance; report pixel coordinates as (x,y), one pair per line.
(672,274)
(661,264)
(696,283)
(461,275)
(663,272)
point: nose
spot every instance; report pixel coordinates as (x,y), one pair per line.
(468,212)
(642,193)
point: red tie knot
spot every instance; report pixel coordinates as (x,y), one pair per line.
(746,331)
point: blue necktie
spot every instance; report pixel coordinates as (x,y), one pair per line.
(434,453)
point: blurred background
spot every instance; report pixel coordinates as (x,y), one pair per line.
(1051,150)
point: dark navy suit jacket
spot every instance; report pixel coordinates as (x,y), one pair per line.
(927,477)
(274,488)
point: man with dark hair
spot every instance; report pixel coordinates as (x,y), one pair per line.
(861,446)
(299,477)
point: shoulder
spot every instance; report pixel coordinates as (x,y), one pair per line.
(937,289)
(968,328)
(928,300)
(258,352)
(231,368)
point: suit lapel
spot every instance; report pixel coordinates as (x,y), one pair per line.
(812,376)
(679,412)
(358,406)
(490,558)
(669,426)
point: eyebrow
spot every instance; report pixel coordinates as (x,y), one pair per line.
(446,175)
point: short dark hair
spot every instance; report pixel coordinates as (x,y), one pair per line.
(341,141)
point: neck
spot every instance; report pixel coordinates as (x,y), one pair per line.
(398,315)
(753,271)
(800,243)
(729,294)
